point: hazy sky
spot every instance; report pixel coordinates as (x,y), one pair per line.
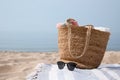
(41,16)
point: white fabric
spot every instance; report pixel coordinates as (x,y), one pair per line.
(102,29)
(51,72)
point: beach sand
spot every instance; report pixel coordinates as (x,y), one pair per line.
(17,65)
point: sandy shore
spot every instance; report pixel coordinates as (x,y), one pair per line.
(17,65)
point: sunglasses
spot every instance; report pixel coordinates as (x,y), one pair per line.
(71,66)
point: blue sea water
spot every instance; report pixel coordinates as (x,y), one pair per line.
(28,41)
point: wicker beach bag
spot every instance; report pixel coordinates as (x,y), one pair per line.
(82,45)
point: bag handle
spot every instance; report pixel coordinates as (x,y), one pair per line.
(86,42)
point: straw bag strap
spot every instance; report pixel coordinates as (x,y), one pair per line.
(86,42)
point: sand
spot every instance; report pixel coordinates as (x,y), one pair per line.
(17,65)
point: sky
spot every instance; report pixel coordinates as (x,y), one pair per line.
(39,17)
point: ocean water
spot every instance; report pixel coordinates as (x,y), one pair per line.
(33,41)
(28,41)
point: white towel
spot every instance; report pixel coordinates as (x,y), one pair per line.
(103,29)
(51,72)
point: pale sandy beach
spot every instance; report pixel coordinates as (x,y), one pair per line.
(17,65)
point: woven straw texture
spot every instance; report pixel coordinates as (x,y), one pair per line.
(95,49)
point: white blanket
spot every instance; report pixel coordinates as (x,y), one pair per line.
(51,72)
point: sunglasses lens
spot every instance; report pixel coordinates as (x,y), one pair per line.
(71,66)
(60,64)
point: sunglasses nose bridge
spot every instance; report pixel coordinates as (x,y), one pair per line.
(66,67)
